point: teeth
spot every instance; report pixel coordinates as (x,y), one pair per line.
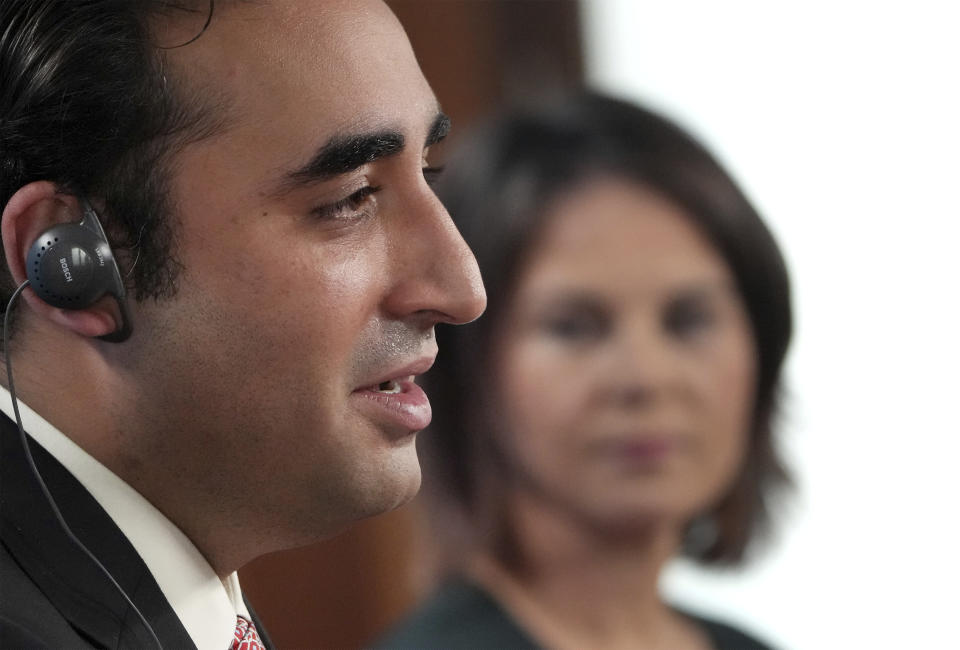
(389,387)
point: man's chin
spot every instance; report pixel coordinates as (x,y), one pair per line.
(393,483)
(405,477)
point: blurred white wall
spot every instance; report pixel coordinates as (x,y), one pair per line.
(840,119)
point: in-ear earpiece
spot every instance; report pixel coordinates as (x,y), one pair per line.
(71,266)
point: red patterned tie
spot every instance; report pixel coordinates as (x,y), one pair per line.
(245,636)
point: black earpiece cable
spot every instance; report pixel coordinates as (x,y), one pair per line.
(36,472)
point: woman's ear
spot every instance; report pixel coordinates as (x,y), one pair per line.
(32,209)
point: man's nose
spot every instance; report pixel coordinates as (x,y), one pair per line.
(438,276)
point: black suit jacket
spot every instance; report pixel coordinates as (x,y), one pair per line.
(51,594)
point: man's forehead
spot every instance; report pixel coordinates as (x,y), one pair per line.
(265,43)
(195,16)
(344,70)
(348,63)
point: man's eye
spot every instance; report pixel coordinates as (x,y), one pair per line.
(358,204)
(432,174)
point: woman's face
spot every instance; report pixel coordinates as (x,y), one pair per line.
(626,363)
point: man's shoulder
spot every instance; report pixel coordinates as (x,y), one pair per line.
(52,593)
(27,617)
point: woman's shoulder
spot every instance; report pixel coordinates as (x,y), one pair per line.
(462,616)
(724,636)
(459,615)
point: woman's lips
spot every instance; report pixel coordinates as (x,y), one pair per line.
(408,410)
(642,452)
(645,449)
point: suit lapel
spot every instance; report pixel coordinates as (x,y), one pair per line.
(66,575)
(261,630)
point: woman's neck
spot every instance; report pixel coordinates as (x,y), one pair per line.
(575,585)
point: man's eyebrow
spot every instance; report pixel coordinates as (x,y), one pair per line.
(438,130)
(345,153)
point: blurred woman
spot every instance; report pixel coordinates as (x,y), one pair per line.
(615,406)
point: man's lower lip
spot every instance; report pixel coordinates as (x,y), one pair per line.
(408,410)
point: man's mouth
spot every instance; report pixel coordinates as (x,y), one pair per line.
(395,399)
(392,382)
(389,387)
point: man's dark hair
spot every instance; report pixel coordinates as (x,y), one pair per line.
(499,188)
(88,102)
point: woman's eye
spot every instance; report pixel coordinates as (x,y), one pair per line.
(687,319)
(575,328)
(357,205)
(432,174)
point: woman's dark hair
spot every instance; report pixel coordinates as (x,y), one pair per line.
(87,102)
(498,188)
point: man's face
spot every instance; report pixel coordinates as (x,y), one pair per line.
(317,261)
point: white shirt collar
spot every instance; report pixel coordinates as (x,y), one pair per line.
(206,605)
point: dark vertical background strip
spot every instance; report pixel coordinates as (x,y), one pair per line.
(477,54)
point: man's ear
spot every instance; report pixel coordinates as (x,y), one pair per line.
(30,211)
